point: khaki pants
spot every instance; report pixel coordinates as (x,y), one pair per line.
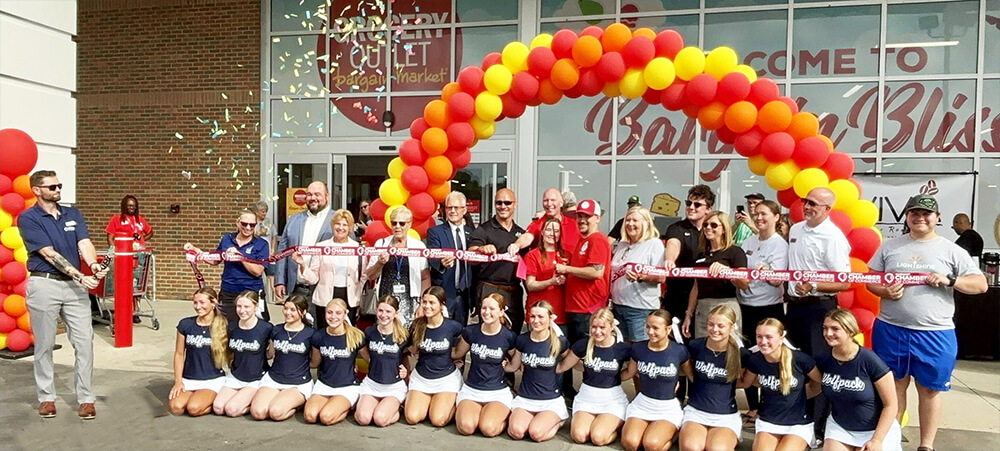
(47,300)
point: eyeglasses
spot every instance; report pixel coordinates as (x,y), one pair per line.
(696,204)
(399,223)
(505,203)
(248,224)
(52,187)
(713,225)
(812,203)
(454,207)
(364,206)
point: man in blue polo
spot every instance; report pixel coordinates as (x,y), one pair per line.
(56,237)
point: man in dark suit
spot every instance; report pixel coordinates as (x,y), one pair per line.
(451,274)
(305,228)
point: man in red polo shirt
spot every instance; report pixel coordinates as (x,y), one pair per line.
(588,273)
(552,202)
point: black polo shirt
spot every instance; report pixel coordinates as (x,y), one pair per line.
(679,289)
(491,232)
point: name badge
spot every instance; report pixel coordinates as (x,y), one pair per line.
(398,288)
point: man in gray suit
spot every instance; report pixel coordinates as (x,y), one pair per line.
(305,228)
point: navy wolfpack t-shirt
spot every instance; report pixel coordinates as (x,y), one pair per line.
(539,379)
(249,350)
(604,369)
(336,365)
(710,392)
(384,356)
(291,355)
(850,387)
(488,353)
(434,360)
(659,370)
(198,363)
(776,408)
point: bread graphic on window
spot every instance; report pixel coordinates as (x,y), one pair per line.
(665,204)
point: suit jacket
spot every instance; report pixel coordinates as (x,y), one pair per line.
(441,237)
(287,270)
(322,269)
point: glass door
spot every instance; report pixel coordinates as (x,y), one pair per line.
(480,180)
(294,173)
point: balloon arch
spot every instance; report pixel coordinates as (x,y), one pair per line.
(780,142)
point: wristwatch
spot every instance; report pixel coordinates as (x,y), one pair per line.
(951,280)
(815,288)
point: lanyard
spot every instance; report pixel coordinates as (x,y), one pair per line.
(399,267)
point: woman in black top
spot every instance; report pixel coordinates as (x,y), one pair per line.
(718,253)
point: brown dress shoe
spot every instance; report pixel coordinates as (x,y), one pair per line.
(47,409)
(87,411)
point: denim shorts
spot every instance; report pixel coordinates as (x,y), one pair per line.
(631,321)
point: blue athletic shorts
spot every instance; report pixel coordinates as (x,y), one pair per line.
(927,355)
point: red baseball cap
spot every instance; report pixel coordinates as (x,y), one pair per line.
(588,207)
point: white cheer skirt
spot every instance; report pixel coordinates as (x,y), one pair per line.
(236,384)
(648,409)
(351,392)
(892,442)
(378,391)
(215,385)
(601,400)
(304,388)
(451,383)
(556,405)
(502,396)
(804,431)
(729,421)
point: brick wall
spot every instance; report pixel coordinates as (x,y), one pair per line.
(147,69)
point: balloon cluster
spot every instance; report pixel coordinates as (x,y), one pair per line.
(19,154)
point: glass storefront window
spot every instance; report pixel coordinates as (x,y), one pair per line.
(835,42)
(297,15)
(357,62)
(299,118)
(576,127)
(988,203)
(847,112)
(474,43)
(759,37)
(587,180)
(990,135)
(932,38)
(651,129)
(357,116)
(686,25)
(991,64)
(661,185)
(567,8)
(918,165)
(929,116)
(741,181)
(733,3)
(294,69)
(422,59)
(484,10)
(656,5)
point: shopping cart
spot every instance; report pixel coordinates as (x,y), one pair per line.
(143,289)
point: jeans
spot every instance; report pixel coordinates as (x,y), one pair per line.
(631,322)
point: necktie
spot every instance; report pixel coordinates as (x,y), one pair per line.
(460,273)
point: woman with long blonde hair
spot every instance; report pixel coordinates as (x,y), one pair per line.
(334,352)
(248,339)
(383,390)
(199,357)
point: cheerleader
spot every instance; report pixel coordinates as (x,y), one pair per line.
(435,381)
(199,356)
(860,388)
(711,420)
(782,373)
(538,410)
(653,417)
(335,352)
(248,344)
(599,407)
(288,383)
(383,390)
(484,401)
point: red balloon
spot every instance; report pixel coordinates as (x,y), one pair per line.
(470,80)
(674,98)
(540,62)
(18,152)
(461,107)
(6,186)
(573,92)
(611,67)
(701,89)
(763,90)
(512,107)
(421,226)
(864,242)
(726,135)
(414,179)
(590,84)
(638,52)
(811,152)
(412,152)
(491,59)
(733,88)
(14,272)
(21,288)
(562,43)
(795,212)
(594,31)
(18,340)
(524,86)
(377,209)
(777,147)
(652,96)
(842,221)
(460,134)
(845,299)
(865,319)
(6,256)
(838,166)
(421,204)
(787,197)
(668,43)
(376,231)
(791,103)
(7,324)
(748,143)
(12,203)
(864,299)
(460,158)
(418,127)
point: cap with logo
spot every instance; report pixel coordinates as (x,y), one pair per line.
(922,202)
(588,207)
(755,196)
(634,200)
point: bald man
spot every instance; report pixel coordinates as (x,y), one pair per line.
(498,236)
(552,203)
(968,239)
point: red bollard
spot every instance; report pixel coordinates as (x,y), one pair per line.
(123,290)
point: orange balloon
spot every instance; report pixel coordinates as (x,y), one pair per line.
(867,299)
(14,306)
(803,125)
(436,113)
(858,266)
(548,93)
(434,141)
(587,51)
(438,169)
(564,75)
(712,116)
(22,186)
(647,32)
(774,116)
(615,37)
(829,143)
(24,322)
(449,89)
(439,191)
(30,202)
(741,116)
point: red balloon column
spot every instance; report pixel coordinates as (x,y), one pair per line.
(781,143)
(19,155)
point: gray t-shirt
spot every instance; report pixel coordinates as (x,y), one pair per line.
(772,253)
(922,307)
(639,295)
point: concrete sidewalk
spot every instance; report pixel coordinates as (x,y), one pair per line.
(132,386)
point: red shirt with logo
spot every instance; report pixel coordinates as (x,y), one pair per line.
(570,232)
(582,295)
(555,294)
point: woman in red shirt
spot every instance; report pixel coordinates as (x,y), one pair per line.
(540,264)
(130,222)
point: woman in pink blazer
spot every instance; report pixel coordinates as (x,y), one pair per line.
(333,277)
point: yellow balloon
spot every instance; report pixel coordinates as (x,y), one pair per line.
(879,232)
(611,89)
(758,164)
(497,79)
(515,57)
(21,254)
(483,128)
(388,214)
(905,419)
(846,192)
(362,364)
(3,341)
(807,179)
(659,73)
(391,192)
(413,234)
(488,106)
(863,214)
(542,40)
(5,220)
(748,71)
(780,176)
(860,339)
(690,61)
(632,85)
(396,168)
(721,61)
(11,237)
